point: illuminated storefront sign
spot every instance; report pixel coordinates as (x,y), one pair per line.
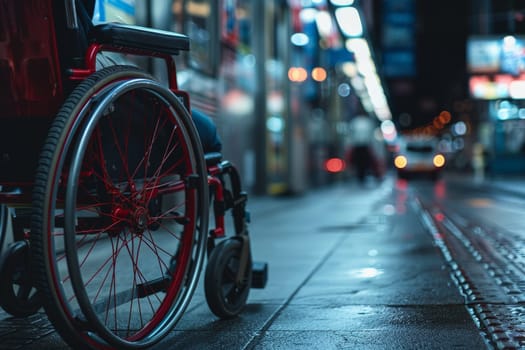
(494,55)
(491,87)
(497,67)
(399,38)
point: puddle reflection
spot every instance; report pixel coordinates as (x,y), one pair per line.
(367,272)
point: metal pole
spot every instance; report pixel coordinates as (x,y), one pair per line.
(259,132)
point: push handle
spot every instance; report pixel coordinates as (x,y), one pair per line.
(71,14)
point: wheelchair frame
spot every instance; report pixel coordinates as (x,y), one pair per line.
(77,187)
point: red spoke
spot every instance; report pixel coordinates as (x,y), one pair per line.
(111,188)
(137,272)
(166,215)
(115,253)
(156,249)
(94,206)
(168,151)
(134,261)
(169,171)
(123,159)
(134,283)
(113,286)
(71,298)
(168,187)
(147,152)
(99,151)
(89,250)
(99,229)
(173,234)
(104,279)
(173,210)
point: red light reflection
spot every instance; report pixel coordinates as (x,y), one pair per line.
(440,190)
(335,165)
(439,236)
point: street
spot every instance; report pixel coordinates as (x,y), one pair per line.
(396,265)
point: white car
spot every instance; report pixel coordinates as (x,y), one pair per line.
(419,156)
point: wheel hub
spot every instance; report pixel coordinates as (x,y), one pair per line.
(140,220)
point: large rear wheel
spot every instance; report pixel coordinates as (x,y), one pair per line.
(120,212)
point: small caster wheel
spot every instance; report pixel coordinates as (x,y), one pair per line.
(225,295)
(18,296)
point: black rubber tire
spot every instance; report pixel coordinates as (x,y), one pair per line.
(226,299)
(4,211)
(68,307)
(18,296)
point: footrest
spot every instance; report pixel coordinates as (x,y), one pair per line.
(259,274)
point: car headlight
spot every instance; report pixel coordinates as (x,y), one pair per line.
(400,162)
(439,160)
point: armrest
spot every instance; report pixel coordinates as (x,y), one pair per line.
(141,38)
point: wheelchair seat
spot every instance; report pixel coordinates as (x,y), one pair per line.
(212,158)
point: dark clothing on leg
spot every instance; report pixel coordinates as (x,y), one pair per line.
(207,131)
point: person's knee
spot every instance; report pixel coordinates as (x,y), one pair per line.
(207,130)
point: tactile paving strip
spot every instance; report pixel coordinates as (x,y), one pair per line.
(17,333)
(505,324)
(488,266)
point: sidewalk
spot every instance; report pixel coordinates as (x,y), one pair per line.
(513,184)
(341,276)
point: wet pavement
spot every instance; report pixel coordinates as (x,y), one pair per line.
(487,257)
(349,268)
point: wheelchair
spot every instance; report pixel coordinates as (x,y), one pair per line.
(106,195)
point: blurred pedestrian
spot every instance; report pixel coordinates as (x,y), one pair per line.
(361,154)
(478,162)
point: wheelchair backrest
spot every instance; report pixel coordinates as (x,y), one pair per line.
(30,75)
(44,50)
